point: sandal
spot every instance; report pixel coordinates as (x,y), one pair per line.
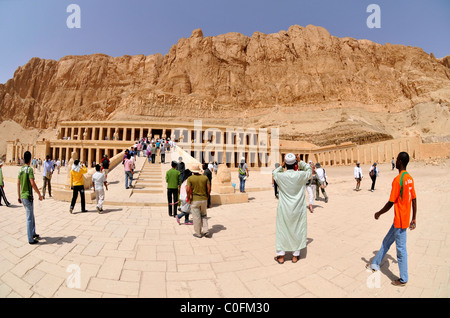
(398,283)
(277,259)
(295,259)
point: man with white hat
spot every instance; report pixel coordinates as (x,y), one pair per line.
(291,210)
(198,189)
(2,184)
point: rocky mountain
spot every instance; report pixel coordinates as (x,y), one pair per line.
(303,80)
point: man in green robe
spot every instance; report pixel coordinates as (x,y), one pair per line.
(291,210)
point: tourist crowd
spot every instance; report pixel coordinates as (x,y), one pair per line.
(189,192)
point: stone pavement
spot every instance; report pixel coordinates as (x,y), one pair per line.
(139,251)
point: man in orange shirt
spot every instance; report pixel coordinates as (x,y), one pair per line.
(402,197)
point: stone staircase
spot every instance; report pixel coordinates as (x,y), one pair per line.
(150,179)
(148,187)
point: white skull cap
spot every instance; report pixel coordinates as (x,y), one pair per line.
(290,159)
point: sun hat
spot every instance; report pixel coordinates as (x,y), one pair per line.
(290,159)
(195,167)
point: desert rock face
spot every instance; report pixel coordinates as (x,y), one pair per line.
(303,80)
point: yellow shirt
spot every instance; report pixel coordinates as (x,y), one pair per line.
(76,178)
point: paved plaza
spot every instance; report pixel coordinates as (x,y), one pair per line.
(133,250)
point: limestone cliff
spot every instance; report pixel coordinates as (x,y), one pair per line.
(303,80)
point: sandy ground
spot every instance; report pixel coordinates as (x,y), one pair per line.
(133,251)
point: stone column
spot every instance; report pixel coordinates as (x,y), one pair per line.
(97,156)
(89,157)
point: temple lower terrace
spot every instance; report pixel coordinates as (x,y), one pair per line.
(90,140)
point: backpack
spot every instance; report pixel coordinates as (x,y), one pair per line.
(105,163)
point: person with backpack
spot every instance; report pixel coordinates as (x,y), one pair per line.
(373,173)
(25,187)
(311,186)
(185,204)
(105,166)
(242,174)
(403,198)
(181,167)
(323,180)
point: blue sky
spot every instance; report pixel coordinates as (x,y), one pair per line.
(31,28)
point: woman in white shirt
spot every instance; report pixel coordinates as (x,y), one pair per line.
(358,176)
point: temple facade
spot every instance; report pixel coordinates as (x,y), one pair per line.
(260,147)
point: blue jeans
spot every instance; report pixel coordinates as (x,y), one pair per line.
(241,183)
(399,237)
(128,175)
(31,225)
(186,216)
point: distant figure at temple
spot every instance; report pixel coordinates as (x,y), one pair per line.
(2,192)
(323,179)
(47,176)
(181,167)
(153,153)
(358,174)
(373,173)
(163,152)
(105,166)
(207,172)
(242,174)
